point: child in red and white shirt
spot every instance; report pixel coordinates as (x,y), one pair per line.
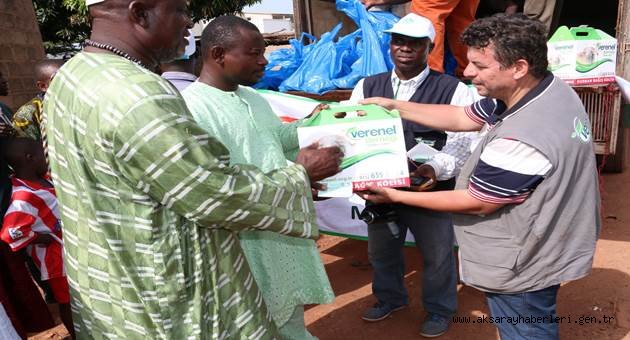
(32,221)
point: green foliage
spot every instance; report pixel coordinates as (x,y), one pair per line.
(62,28)
(65,23)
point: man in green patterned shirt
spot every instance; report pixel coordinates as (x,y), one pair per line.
(150,205)
(288,270)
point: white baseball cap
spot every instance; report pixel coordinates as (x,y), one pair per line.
(93,2)
(191,47)
(415,26)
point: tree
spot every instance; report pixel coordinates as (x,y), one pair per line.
(64,24)
(62,28)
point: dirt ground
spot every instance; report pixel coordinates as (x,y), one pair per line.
(603,295)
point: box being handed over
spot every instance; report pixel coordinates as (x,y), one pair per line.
(373,146)
(582,56)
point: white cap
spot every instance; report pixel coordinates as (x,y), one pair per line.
(93,2)
(415,26)
(191,47)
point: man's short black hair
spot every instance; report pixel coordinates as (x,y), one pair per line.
(513,37)
(224,31)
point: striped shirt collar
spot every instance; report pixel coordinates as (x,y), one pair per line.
(174,75)
(502,113)
(31,184)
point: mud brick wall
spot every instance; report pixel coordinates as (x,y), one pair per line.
(20,49)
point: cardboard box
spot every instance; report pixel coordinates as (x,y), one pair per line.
(373,145)
(582,56)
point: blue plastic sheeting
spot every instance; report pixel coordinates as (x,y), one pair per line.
(318,66)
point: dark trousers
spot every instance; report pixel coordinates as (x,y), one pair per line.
(434,236)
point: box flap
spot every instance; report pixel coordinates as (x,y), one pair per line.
(562,34)
(337,114)
(583,32)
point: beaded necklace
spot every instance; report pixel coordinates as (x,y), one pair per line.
(114,50)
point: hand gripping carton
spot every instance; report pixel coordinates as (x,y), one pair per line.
(582,56)
(373,146)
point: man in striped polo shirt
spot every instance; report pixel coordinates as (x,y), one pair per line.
(527,202)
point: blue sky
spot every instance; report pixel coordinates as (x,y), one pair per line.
(271,6)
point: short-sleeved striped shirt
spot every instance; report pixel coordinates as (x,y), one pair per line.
(33,211)
(508,170)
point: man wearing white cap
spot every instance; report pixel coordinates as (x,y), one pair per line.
(151,206)
(450,18)
(412,80)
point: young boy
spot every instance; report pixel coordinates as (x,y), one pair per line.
(32,220)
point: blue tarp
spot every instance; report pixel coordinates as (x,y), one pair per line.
(318,66)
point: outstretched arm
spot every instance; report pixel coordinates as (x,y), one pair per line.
(457,201)
(170,158)
(436,116)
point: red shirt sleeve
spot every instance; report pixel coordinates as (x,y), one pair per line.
(16,229)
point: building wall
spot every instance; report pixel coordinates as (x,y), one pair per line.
(270,23)
(257,16)
(276,26)
(257,19)
(20,49)
(265,22)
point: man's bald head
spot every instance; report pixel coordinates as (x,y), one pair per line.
(225,31)
(106,7)
(114,11)
(152,31)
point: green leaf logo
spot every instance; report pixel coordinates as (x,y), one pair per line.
(582,131)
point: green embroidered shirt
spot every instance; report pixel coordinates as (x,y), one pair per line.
(151,207)
(288,270)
